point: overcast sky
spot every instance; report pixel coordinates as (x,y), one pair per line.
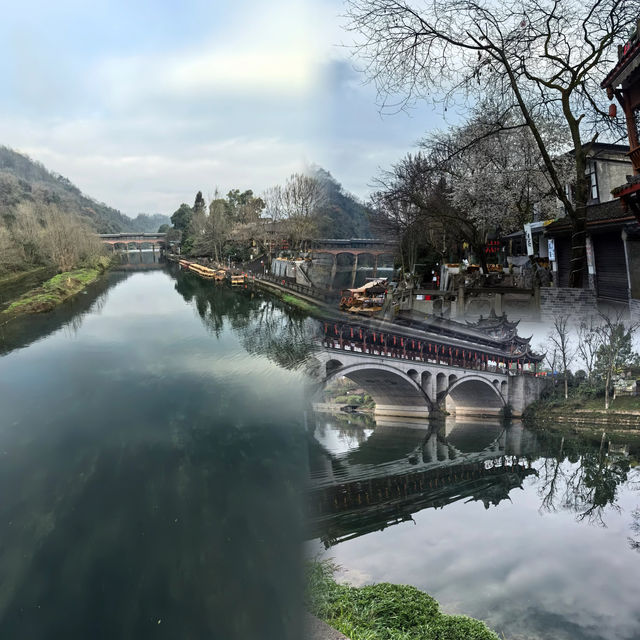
(143,103)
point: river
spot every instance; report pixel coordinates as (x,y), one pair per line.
(160,470)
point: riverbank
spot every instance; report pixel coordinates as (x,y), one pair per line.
(54,291)
(384,611)
(586,414)
(13,285)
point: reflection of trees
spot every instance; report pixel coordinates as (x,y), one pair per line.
(265,326)
(634,542)
(579,477)
(21,331)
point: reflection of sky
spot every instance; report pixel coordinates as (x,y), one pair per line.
(149,471)
(528,573)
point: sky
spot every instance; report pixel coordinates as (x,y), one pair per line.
(141,104)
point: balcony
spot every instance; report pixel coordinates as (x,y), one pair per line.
(634,154)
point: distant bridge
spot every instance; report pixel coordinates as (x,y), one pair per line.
(139,241)
(405,380)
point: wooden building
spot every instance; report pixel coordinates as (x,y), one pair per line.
(623,83)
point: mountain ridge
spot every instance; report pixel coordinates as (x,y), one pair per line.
(23,179)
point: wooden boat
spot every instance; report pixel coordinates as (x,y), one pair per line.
(203,272)
(220,275)
(238,279)
(367,300)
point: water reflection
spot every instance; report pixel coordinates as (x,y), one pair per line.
(151,467)
(531,531)
(140,259)
(265,325)
(401,468)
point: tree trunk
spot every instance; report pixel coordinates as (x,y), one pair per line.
(579,217)
(606,390)
(578,250)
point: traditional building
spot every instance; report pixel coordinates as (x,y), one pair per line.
(490,344)
(623,82)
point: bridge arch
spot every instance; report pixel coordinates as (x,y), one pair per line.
(476,395)
(394,392)
(332,366)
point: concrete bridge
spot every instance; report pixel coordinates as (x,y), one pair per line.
(410,388)
(135,241)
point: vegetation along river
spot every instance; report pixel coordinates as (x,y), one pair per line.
(160,469)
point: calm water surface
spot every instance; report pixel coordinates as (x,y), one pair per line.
(159,470)
(152,457)
(535,534)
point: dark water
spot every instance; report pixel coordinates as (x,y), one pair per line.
(152,459)
(159,470)
(536,534)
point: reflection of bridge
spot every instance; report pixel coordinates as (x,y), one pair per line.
(137,241)
(465,369)
(349,497)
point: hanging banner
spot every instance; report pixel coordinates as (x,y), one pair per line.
(552,249)
(529,238)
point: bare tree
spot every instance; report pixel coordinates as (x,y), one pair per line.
(298,201)
(560,338)
(588,345)
(543,59)
(212,231)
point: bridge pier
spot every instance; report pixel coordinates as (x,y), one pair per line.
(402,411)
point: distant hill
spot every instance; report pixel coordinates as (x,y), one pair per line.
(343,215)
(25,180)
(147,223)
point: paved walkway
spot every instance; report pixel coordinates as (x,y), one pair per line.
(318,630)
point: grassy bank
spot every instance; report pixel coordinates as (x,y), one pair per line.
(299,303)
(385,611)
(54,291)
(585,413)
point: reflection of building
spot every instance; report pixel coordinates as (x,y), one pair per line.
(347,511)
(398,472)
(343,264)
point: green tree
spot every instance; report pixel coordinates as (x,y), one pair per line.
(182,217)
(244,207)
(163,228)
(615,352)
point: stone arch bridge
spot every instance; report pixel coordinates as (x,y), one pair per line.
(416,389)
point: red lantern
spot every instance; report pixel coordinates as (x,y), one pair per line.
(613,110)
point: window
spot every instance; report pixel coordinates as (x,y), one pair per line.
(591,171)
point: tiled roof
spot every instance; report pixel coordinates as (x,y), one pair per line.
(602,213)
(612,76)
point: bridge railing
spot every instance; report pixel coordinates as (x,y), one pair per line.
(362,340)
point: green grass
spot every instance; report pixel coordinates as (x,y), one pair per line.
(297,302)
(384,611)
(587,403)
(54,291)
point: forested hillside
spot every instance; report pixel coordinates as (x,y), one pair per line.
(341,215)
(25,181)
